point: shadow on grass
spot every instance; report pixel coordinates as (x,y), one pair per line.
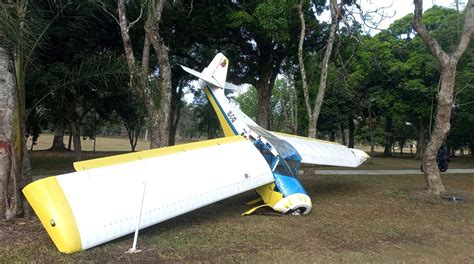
(331,186)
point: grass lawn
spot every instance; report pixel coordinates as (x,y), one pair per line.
(358,218)
(380,162)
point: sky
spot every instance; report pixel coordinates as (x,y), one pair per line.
(395,9)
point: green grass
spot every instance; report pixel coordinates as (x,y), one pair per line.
(403,163)
(355,218)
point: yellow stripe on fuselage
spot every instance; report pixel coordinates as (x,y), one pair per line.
(117,159)
(228,132)
(47,199)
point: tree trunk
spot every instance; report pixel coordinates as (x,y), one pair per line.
(335,18)
(161,122)
(448,64)
(133,145)
(175,114)
(69,142)
(294,111)
(13,151)
(332,136)
(371,129)
(343,134)
(440,132)
(161,119)
(309,111)
(159,116)
(313,112)
(388,136)
(76,138)
(58,139)
(351,132)
(471,147)
(264,92)
(420,144)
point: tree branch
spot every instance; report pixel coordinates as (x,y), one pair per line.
(467,32)
(432,43)
(301,60)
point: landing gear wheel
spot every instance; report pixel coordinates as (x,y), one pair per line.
(297,211)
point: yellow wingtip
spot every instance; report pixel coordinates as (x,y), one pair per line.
(47,199)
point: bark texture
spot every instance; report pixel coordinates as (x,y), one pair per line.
(471,147)
(268,67)
(445,100)
(160,136)
(420,144)
(158,112)
(13,152)
(58,139)
(76,140)
(303,71)
(351,132)
(313,111)
(388,136)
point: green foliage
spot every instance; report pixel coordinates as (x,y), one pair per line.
(78,73)
(247,102)
(205,117)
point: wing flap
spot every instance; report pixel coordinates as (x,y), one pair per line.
(314,151)
(105,200)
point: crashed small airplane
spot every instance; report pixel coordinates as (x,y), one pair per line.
(110,197)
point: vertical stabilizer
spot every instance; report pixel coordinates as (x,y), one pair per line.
(217,69)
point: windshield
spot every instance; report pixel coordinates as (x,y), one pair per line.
(290,159)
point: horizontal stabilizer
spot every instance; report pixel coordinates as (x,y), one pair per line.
(233,87)
(202,76)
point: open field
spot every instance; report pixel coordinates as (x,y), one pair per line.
(355,218)
(53,163)
(102,143)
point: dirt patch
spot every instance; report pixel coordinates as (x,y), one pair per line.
(20,231)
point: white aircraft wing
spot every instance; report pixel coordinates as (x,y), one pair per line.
(102,200)
(314,151)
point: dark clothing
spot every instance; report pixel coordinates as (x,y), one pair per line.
(442,159)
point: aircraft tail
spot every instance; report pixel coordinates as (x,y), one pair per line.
(215,73)
(218,69)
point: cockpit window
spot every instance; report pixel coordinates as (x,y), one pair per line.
(290,158)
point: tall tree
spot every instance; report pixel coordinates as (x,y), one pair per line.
(11,138)
(313,110)
(157,102)
(20,34)
(160,136)
(448,62)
